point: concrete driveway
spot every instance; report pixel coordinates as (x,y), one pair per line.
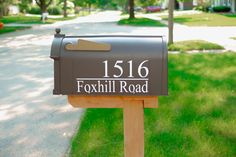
(33,122)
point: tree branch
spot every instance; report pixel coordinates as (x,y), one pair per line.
(38,3)
(50,1)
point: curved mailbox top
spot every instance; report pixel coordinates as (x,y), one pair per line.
(110,65)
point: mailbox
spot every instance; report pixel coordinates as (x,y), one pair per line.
(109,65)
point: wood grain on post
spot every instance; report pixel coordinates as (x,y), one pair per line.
(134,129)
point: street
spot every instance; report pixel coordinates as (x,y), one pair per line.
(35,123)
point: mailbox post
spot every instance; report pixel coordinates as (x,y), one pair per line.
(128,72)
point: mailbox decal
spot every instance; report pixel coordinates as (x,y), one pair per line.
(110,65)
(117,83)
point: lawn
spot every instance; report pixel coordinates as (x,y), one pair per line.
(194,45)
(141,22)
(7,29)
(196,119)
(205,19)
(29,19)
(233,38)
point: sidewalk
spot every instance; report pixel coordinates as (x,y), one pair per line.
(219,35)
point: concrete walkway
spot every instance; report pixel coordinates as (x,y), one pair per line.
(33,122)
(219,35)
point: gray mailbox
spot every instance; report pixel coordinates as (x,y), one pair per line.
(109,65)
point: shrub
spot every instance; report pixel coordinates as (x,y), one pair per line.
(202,8)
(70,7)
(24,7)
(55,10)
(1,25)
(34,10)
(221,9)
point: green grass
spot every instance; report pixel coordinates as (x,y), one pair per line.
(7,29)
(233,38)
(189,45)
(205,19)
(196,119)
(141,22)
(29,20)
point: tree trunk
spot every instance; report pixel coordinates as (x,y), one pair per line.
(43,9)
(89,6)
(126,7)
(1,11)
(131,9)
(170,21)
(65,8)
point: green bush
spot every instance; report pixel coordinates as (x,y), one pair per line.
(55,10)
(202,8)
(221,9)
(34,10)
(24,7)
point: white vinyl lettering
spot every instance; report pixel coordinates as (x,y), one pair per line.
(79,85)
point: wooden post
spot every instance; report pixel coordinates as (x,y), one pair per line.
(133,107)
(134,129)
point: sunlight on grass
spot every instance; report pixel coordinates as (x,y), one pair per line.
(189,45)
(141,22)
(205,19)
(196,119)
(7,29)
(30,19)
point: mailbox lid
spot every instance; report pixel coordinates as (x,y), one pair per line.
(81,67)
(120,45)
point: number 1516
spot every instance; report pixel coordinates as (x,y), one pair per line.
(142,70)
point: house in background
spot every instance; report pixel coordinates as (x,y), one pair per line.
(185,5)
(190,4)
(229,3)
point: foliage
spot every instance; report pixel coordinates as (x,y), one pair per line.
(34,10)
(69,7)
(55,10)
(24,6)
(201,8)
(203,5)
(193,45)
(205,19)
(1,25)
(221,9)
(43,4)
(197,118)
(141,22)
(145,3)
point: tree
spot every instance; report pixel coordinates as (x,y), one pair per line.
(146,3)
(170,20)
(4,6)
(89,4)
(43,4)
(85,3)
(24,5)
(131,9)
(65,8)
